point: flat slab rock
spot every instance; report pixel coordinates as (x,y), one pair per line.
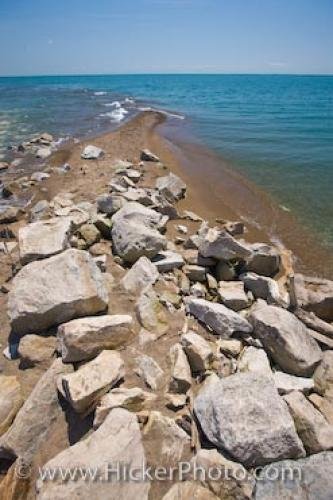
(286,339)
(55,290)
(220,245)
(244,415)
(117,440)
(91,152)
(89,383)
(44,238)
(141,274)
(84,338)
(35,417)
(310,478)
(220,319)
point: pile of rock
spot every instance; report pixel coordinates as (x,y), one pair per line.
(179,350)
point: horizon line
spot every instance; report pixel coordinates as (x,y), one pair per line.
(38,75)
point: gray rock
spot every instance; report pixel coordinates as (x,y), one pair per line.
(167,261)
(254,360)
(117,441)
(55,290)
(149,371)
(171,187)
(262,287)
(135,232)
(312,427)
(286,339)
(286,383)
(35,417)
(181,378)
(244,415)
(222,246)
(194,272)
(43,153)
(109,204)
(187,490)
(224,271)
(142,273)
(150,312)
(84,338)
(198,351)
(39,176)
(147,155)
(220,319)
(34,349)
(43,239)
(306,479)
(233,295)
(11,401)
(91,153)
(166,441)
(323,376)
(90,382)
(316,295)
(234,481)
(265,260)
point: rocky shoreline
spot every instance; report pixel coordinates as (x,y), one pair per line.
(139,333)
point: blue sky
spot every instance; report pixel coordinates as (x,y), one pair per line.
(152,36)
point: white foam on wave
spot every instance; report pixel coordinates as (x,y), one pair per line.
(100,93)
(117,115)
(130,100)
(114,104)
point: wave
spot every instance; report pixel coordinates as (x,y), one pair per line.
(117,115)
(115,104)
(100,93)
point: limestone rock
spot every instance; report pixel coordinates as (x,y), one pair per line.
(254,360)
(56,290)
(129,399)
(234,483)
(244,415)
(222,246)
(9,215)
(233,295)
(224,271)
(262,287)
(286,339)
(231,347)
(147,155)
(91,152)
(44,238)
(265,260)
(316,295)
(35,417)
(149,371)
(43,153)
(151,313)
(166,441)
(175,402)
(34,349)
(84,388)
(167,261)
(109,204)
(84,338)
(171,187)
(195,272)
(135,232)
(118,440)
(188,490)
(286,383)
(323,376)
(306,479)
(220,319)
(198,351)
(141,274)
(89,233)
(181,378)
(313,429)
(10,401)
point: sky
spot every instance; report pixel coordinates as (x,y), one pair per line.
(165,36)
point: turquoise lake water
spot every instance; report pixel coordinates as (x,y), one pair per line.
(277,130)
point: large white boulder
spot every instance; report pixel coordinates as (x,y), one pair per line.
(220,319)
(84,338)
(220,245)
(141,274)
(55,290)
(44,238)
(116,441)
(91,152)
(244,415)
(286,339)
(171,187)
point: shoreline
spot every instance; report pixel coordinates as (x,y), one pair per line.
(223,193)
